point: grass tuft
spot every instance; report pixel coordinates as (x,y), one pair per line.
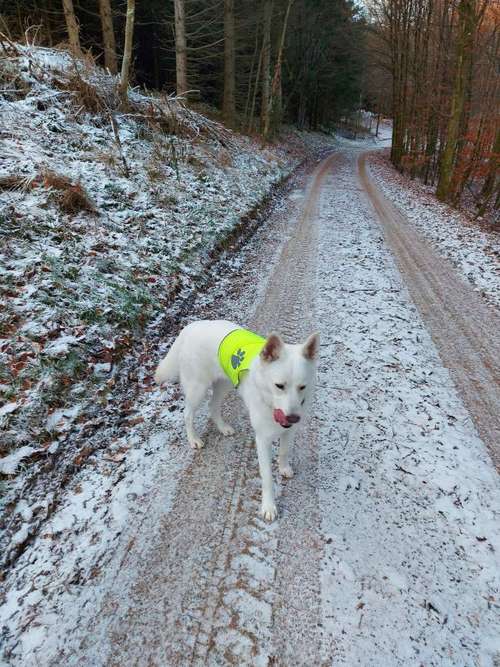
(74,200)
(71,197)
(14,182)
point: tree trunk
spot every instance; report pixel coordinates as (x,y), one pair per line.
(467,20)
(180,48)
(47,23)
(266,64)
(251,117)
(302,111)
(127,51)
(156,67)
(274,114)
(250,79)
(72,26)
(492,177)
(229,63)
(108,36)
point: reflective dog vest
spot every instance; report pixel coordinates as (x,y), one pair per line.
(237,350)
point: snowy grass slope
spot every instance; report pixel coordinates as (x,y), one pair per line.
(79,288)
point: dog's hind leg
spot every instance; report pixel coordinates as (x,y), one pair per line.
(194,392)
(220,390)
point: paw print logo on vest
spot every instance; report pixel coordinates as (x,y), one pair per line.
(236,359)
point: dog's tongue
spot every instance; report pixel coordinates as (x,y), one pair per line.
(280,417)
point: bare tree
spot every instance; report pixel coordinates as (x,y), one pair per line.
(127,51)
(444,63)
(108,36)
(72,26)
(248,113)
(180,48)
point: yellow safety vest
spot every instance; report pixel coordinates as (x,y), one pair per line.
(236,352)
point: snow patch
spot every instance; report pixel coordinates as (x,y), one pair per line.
(8,408)
(60,346)
(10,463)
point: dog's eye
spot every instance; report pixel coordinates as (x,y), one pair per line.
(280,386)
(302,387)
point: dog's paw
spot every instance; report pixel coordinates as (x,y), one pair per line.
(269,511)
(286,471)
(197,443)
(225,429)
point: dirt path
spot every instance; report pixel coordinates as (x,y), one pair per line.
(465,330)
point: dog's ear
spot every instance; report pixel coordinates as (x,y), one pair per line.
(311,346)
(272,349)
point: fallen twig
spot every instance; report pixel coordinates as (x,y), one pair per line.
(372,289)
(408,472)
(114,125)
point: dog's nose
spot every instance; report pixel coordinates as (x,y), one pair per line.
(293,419)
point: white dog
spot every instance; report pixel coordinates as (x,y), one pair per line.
(273,378)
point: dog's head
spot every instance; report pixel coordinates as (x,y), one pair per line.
(287,374)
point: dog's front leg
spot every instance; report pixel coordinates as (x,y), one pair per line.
(264,452)
(285,468)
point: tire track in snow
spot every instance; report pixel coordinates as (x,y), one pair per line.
(465,330)
(251,622)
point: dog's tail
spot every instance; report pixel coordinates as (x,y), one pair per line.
(168,368)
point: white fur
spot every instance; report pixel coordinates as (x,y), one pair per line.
(193,359)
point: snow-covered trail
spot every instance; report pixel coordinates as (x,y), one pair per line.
(385,551)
